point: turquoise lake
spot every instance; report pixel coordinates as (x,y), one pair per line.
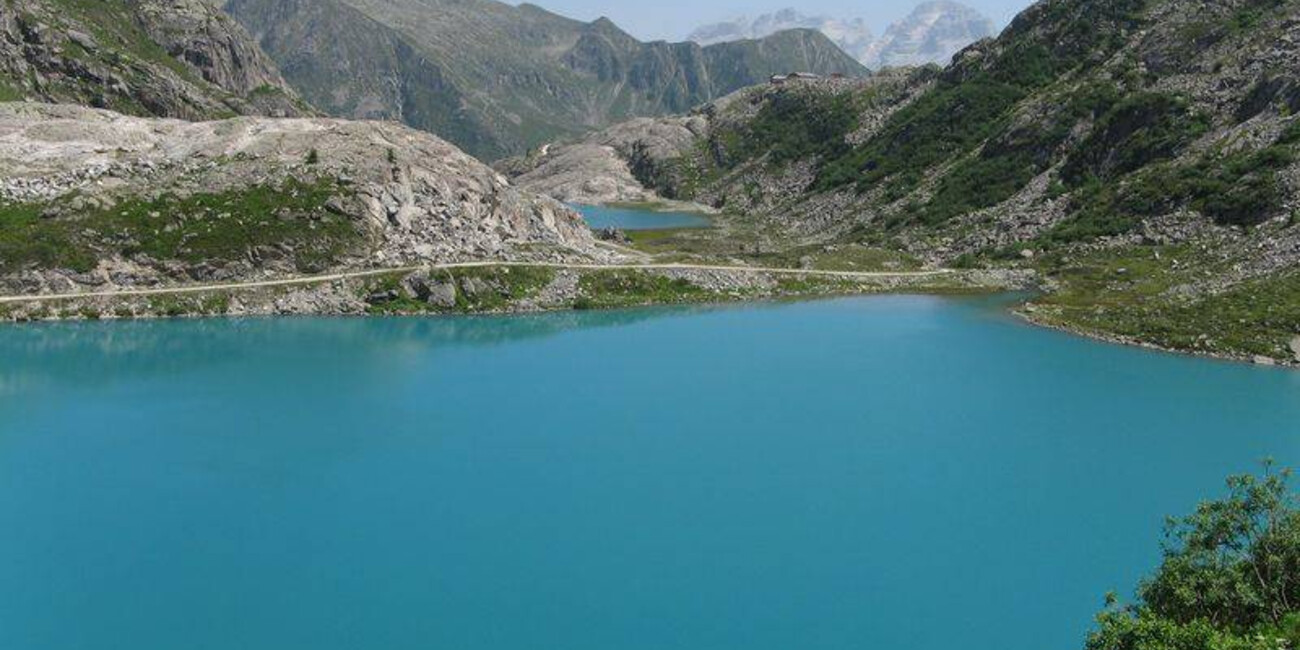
(601,216)
(897,473)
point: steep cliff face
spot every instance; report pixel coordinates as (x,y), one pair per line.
(181,58)
(94,198)
(498,79)
(1144,155)
(211,44)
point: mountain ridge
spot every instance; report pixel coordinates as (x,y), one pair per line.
(498,79)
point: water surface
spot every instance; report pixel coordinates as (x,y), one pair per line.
(900,472)
(600,216)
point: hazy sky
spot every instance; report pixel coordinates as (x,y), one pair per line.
(674,19)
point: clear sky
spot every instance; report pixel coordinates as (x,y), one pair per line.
(674,19)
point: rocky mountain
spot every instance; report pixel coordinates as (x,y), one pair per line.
(498,79)
(603,167)
(170,58)
(95,199)
(933,33)
(853,36)
(1142,155)
(705,156)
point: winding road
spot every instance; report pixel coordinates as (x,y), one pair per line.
(334,277)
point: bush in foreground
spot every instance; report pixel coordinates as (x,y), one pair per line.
(1230,579)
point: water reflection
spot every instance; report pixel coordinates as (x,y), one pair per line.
(90,354)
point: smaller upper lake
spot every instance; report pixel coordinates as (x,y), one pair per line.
(600,216)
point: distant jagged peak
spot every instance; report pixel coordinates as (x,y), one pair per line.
(851,35)
(932,33)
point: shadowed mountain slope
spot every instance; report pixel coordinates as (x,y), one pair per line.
(498,79)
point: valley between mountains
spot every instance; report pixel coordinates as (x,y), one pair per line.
(1135,161)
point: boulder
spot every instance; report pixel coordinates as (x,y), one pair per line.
(1295,348)
(436,294)
(474,287)
(614,235)
(442,294)
(382,297)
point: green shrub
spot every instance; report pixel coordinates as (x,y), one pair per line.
(619,288)
(794,125)
(1012,158)
(29,240)
(972,103)
(1230,578)
(212,227)
(946,121)
(1139,130)
(1239,188)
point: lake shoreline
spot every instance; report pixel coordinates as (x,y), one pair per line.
(354,296)
(1129,342)
(632,217)
(502,289)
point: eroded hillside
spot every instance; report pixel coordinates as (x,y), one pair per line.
(90,198)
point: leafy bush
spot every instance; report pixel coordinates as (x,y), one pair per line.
(1100,210)
(618,288)
(1239,188)
(1230,579)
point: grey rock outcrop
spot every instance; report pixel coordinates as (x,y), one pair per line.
(167,58)
(220,50)
(616,165)
(409,196)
